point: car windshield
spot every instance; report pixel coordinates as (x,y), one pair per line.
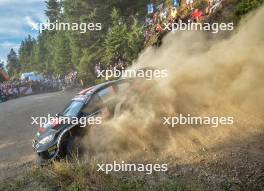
(72,109)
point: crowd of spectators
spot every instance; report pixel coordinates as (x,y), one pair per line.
(184,10)
(160,15)
(118,64)
(69,80)
(19,87)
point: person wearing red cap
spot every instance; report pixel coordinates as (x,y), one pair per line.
(196,15)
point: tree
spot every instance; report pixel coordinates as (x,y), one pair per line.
(135,42)
(116,39)
(246,6)
(13,66)
(26,54)
(58,51)
(53,10)
(42,57)
(122,40)
(86,68)
(62,54)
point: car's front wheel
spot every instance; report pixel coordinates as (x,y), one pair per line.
(41,160)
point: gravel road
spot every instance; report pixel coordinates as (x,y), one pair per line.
(16,130)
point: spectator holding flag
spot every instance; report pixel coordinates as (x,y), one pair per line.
(158,28)
(150,8)
(196,15)
(190,4)
(176,3)
(173,14)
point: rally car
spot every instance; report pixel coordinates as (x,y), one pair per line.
(55,139)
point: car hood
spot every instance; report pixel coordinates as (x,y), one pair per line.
(48,128)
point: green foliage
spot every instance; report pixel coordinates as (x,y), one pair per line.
(168,2)
(122,40)
(62,54)
(135,41)
(58,51)
(43,57)
(202,4)
(13,63)
(26,54)
(116,39)
(246,6)
(53,10)
(85,68)
(81,176)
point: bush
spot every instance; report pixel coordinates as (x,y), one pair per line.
(246,6)
(200,4)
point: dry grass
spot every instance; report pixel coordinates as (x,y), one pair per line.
(81,176)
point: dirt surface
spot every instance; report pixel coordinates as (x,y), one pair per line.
(239,166)
(16,129)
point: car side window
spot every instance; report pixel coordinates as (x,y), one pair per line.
(105,100)
(93,105)
(107,94)
(108,97)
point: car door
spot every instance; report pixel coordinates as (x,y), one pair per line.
(93,106)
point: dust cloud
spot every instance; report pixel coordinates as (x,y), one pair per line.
(207,77)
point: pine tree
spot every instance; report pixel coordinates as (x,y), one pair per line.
(26,52)
(86,68)
(62,54)
(58,51)
(116,39)
(13,66)
(135,42)
(53,10)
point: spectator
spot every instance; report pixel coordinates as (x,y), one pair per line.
(159,28)
(155,17)
(97,68)
(148,22)
(163,15)
(196,15)
(208,8)
(215,6)
(176,3)
(189,4)
(147,34)
(150,8)
(12,88)
(173,14)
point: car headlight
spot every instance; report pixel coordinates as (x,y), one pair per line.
(46,139)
